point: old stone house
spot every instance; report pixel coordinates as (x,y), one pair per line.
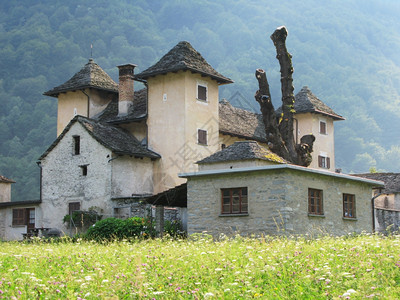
(117,146)
(246,189)
(16,218)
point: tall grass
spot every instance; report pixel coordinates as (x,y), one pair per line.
(353,267)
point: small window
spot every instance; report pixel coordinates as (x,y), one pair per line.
(234,201)
(324,162)
(23,216)
(84,170)
(223,146)
(315,202)
(73,206)
(201,92)
(349,206)
(77,144)
(202,136)
(19,216)
(322,127)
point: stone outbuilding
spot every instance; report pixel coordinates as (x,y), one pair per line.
(244,189)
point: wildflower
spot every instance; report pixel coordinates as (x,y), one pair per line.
(158,293)
(208,295)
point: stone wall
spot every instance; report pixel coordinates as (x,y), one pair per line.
(387,220)
(278,203)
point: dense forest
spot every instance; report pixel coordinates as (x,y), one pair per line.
(345,51)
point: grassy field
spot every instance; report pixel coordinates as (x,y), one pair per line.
(352,267)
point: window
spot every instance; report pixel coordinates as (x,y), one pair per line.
(19,216)
(234,201)
(202,136)
(73,206)
(202,92)
(23,216)
(77,144)
(349,206)
(223,146)
(315,202)
(84,170)
(322,127)
(324,162)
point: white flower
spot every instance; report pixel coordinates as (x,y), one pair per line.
(351,291)
(206,295)
(158,293)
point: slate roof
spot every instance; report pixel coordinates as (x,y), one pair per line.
(244,150)
(5,180)
(183,57)
(20,203)
(306,101)
(138,112)
(90,76)
(241,123)
(118,140)
(391,180)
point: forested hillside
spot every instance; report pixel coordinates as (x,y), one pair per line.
(346,51)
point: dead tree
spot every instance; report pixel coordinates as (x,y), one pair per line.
(279,129)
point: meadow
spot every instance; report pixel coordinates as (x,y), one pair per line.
(349,267)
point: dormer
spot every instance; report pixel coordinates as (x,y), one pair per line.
(314,116)
(87,93)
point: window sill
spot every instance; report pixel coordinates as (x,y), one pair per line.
(202,101)
(234,215)
(316,216)
(349,219)
(202,144)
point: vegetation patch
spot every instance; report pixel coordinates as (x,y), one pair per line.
(351,267)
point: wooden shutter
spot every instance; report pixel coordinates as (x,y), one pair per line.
(19,216)
(202,136)
(328,162)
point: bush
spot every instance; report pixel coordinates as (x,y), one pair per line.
(118,229)
(174,228)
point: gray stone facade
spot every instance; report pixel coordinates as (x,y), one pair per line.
(387,220)
(277,202)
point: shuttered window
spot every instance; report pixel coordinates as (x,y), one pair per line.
(324,162)
(322,127)
(201,92)
(202,136)
(19,216)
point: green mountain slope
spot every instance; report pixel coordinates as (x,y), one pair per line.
(346,51)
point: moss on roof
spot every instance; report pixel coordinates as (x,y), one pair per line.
(183,57)
(245,150)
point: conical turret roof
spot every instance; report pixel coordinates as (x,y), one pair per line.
(183,57)
(90,76)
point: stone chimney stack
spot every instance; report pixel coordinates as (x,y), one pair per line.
(125,89)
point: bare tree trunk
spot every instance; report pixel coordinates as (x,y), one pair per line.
(263,97)
(280,137)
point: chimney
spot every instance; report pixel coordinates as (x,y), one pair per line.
(125,89)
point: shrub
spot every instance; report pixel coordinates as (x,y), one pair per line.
(174,228)
(118,229)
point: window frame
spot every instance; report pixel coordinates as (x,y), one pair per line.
(243,205)
(323,129)
(315,209)
(202,137)
(71,207)
(349,200)
(76,144)
(324,162)
(198,94)
(23,217)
